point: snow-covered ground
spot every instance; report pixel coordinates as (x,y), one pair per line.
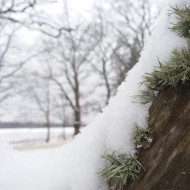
(33,135)
(36,168)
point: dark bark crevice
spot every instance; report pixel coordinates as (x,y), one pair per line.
(167,161)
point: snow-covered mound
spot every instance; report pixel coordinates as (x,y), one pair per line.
(113,129)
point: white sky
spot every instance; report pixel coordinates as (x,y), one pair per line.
(55,9)
(28,38)
(78,5)
(81,4)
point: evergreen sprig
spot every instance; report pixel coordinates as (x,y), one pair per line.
(142,133)
(176,71)
(182,26)
(120,169)
(145,96)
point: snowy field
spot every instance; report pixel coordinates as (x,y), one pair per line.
(27,164)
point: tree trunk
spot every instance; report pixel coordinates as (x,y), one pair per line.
(77,122)
(48,132)
(64,133)
(167,161)
(77,106)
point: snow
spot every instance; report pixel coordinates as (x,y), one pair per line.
(33,168)
(75,166)
(113,130)
(30,170)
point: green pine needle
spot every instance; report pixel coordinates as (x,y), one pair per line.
(120,169)
(142,133)
(173,73)
(146,96)
(182,27)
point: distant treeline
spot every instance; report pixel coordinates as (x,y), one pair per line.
(4,125)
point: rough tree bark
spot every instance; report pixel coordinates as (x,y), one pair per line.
(167,161)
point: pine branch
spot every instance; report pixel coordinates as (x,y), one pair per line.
(182,27)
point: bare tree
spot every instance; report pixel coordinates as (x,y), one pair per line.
(61,115)
(27,14)
(133,26)
(14,14)
(102,55)
(104,69)
(39,92)
(72,54)
(10,64)
(111,47)
(123,37)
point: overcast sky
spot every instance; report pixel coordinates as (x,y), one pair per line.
(28,39)
(10,111)
(79,5)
